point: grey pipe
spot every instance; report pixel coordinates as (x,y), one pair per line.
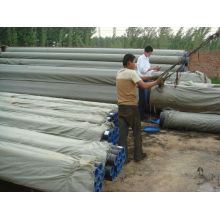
(94,50)
(80,91)
(89,56)
(198,97)
(190,121)
(74,106)
(58,74)
(55,126)
(44,170)
(73,63)
(104,106)
(92,150)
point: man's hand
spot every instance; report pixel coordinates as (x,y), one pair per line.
(156,68)
(160,81)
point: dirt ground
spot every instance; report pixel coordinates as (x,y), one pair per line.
(177,162)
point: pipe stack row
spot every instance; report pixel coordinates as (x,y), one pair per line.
(188,106)
(77,160)
(76,73)
(44,170)
(38,117)
(76,128)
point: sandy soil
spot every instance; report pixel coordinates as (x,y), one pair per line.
(172,164)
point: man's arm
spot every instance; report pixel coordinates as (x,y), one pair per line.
(156,68)
(154,77)
(148,85)
(147,77)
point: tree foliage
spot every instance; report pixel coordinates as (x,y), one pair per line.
(135,37)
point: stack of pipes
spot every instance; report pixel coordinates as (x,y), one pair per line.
(188,106)
(76,73)
(81,136)
(86,130)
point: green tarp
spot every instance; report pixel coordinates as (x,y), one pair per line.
(88,57)
(44,170)
(190,121)
(94,50)
(200,98)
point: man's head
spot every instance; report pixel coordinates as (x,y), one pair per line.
(129,61)
(148,51)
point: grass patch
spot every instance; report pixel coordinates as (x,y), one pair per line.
(215,80)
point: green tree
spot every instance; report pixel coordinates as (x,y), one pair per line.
(43,40)
(177,41)
(164,36)
(61,37)
(214,45)
(199,35)
(14,37)
(133,33)
(149,37)
(70,37)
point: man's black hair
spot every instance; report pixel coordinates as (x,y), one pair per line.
(128,57)
(148,49)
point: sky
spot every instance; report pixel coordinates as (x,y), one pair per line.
(108,31)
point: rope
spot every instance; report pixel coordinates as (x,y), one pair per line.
(165,75)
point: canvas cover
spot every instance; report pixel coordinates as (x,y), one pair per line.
(70,116)
(44,170)
(187,98)
(190,121)
(53,125)
(83,149)
(69,75)
(94,50)
(78,91)
(89,57)
(73,63)
(194,77)
(66,105)
(104,106)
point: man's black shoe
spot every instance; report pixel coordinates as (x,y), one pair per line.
(142,157)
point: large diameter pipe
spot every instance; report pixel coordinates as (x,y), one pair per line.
(44,170)
(190,121)
(195,77)
(70,116)
(69,75)
(58,74)
(62,63)
(93,150)
(73,63)
(106,107)
(89,56)
(80,91)
(66,107)
(193,98)
(54,126)
(94,50)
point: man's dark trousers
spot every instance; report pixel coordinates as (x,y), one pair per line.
(142,101)
(129,116)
